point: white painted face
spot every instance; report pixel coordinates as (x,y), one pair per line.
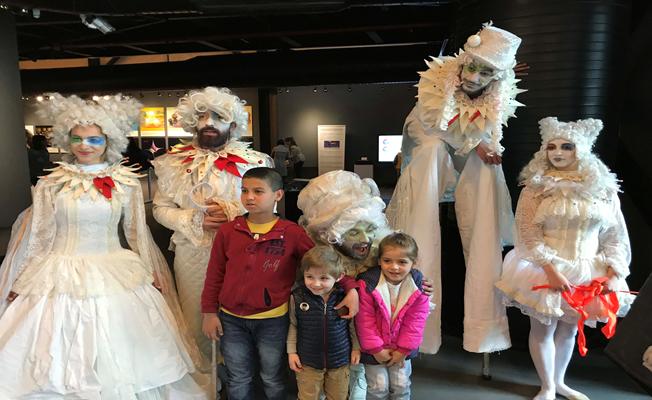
(562,154)
(213,131)
(475,77)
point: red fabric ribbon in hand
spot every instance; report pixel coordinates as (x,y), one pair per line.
(582,295)
(105,185)
(228,163)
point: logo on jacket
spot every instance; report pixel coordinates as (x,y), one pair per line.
(271,265)
(304,306)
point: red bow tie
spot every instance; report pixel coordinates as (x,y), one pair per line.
(105,185)
(229,163)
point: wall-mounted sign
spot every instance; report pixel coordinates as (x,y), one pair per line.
(330,147)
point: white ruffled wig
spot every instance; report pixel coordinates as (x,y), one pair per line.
(583,133)
(219,100)
(336,201)
(115,116)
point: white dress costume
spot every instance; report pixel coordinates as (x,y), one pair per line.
(445,116)
(188,177)
(574,223)
(87,322)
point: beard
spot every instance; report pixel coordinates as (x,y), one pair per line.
(210,137)
(356,251)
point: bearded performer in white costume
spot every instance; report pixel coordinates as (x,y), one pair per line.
(463,103)
(346,212)
(570,231)
(199,188)
(80,317)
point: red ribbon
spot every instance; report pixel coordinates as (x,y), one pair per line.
(105,185)
(187,159)
(229,163)
(475,115)
(582,295)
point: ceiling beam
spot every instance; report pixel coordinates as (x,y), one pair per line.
(375,37)
(138,48)
(290,41)
(248,35)
(212,45)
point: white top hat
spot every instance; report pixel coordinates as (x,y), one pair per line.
(494,46)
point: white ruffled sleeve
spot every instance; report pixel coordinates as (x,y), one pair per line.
(615,250)
(32,237)
(529,242)
(187,221)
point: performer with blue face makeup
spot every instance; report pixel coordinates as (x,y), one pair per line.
(80,316)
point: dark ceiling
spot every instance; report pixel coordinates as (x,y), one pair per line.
(164,27)
(258,43)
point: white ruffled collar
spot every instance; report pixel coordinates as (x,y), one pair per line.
(190,158)
(98,180)
(572,183)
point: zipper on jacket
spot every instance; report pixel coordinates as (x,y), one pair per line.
(325,352)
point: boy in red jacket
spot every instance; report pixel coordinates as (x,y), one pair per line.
(250,274)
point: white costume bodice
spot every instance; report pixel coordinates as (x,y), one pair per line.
(85,226)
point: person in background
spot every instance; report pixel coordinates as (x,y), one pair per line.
(296,156)
(281,156)
(398,160)
(137,157)
(39,158)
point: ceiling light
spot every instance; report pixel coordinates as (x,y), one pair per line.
(95,97)
(39,98)
(98,23)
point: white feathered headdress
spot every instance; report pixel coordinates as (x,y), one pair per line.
(116,116)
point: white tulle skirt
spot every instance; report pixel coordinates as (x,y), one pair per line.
(123,345)
(520,275)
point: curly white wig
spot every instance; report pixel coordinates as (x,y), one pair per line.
(336,201)
(583,134)
(219,100)
(115,116)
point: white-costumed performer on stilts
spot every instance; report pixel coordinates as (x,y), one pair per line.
(80,317)
(463,102)
(570,230)
(199,188)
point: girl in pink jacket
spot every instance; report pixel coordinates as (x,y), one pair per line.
(392,317)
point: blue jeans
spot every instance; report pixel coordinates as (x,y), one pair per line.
(250,342)
(388,382)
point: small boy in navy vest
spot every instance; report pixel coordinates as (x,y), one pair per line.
(321,345)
